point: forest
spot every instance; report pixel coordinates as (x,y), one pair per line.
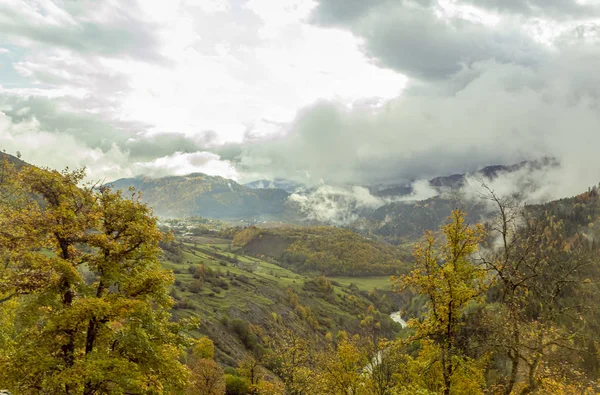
(89,303)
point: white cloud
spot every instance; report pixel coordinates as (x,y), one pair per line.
(185,163)
(44,148)
(150,87)
(218,67)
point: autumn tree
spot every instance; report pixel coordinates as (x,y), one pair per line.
(292,360)
(207,377)
(449,280)
(93,303)
(537,313)
(343,367)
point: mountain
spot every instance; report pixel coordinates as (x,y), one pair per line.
(456,181)
(399,221)
(277,183)
(390,211)
(202,195)
(405,221)
(230,290)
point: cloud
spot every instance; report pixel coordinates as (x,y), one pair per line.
(180,163)
(150,146)
(104,28)
(422,40)
(498,113)
(44,148)
(556,9)
(336,92)
(103,160)
(333,204)
(344,205)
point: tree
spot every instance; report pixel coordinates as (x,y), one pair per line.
(207,378)
(341,367)
(204,348)
(449,280)
(93,313)
(537,312)
(291,360)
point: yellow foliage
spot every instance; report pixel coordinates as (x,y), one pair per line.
(204,348)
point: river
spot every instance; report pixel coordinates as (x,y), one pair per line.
(397,317)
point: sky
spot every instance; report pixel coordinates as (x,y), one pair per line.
(317,91)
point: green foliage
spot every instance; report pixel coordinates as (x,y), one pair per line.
(202,195)
(449,280)
(172,251)
(236,385)
(204,348)
(320,285)
(327,250)
(93,315)
(206,378)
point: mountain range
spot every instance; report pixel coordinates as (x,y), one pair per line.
(393,212)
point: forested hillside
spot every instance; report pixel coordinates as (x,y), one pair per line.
(17,162)
(326,250)
(406,221)
(203,195)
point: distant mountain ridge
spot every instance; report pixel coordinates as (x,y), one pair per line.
(402,220)
(399,215)
(277,183)
(456,181)
(199,194)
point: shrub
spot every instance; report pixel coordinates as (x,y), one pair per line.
(182,304)
(320,285)
(241,328)
(231,371)
(196,286)
(235,385)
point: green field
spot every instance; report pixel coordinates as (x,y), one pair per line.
(366,283)
(243,287)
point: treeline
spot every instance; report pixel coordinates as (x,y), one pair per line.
(325,250)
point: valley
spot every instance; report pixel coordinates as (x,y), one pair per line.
(220,285)
(263,307)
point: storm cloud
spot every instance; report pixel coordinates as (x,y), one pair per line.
(411,37)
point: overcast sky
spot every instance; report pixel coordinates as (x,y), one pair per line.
(346,91)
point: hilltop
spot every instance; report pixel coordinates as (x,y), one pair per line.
(199,194)
(324,250)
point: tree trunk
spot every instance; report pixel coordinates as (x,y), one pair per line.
(514,357)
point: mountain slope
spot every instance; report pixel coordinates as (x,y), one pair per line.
(198,194)
(324,250)
(234,291)
(277,183)
(404,220)
(12,159)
